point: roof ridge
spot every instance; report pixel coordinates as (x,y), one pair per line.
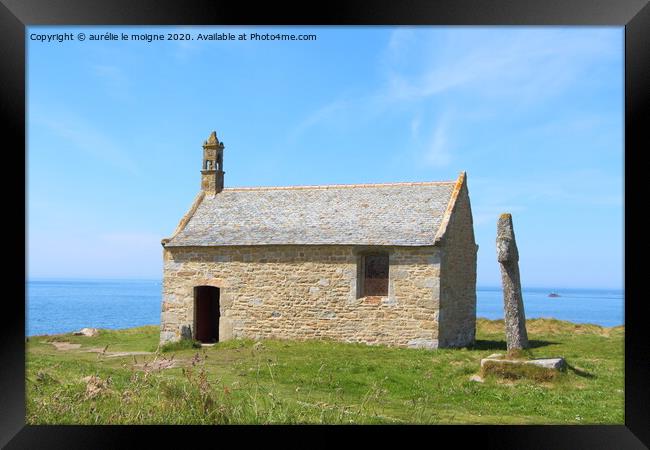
(336,186)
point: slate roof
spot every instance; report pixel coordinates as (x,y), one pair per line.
(405,214)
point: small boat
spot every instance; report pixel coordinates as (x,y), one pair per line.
(553,294)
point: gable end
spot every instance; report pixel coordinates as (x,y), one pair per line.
(186,218)
(444,224)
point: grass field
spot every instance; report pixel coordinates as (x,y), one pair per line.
(277,381)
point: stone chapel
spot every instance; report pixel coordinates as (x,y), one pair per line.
(388,263)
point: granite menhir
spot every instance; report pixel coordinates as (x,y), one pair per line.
(513,304)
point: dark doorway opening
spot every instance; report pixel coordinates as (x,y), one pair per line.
(206,314)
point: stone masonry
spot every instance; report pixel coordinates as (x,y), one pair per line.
(288,262)
(300,292)
(458,276)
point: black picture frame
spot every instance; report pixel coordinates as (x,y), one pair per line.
(15,15)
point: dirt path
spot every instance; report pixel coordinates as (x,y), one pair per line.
(158,363)
(67,346)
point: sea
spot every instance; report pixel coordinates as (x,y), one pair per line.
(61,306)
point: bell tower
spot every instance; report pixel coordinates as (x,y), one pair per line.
(212,171)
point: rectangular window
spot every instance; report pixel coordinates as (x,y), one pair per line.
(374,274)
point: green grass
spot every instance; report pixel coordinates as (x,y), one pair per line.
(184,344)
(516,372)
(324,382)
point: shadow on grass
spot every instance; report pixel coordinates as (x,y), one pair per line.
(580,372)
(481,344)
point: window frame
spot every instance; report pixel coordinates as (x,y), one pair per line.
(361,273)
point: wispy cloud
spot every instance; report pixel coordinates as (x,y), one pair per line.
(321,114)
(114,78)
(85,137)
(437,154)
(573,188)
(186,50)
(346,111)
(415,126)
(484,69)
(527,64)
(399,42)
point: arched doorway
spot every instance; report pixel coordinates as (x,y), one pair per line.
(206,314)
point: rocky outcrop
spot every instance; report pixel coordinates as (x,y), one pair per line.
(86,332)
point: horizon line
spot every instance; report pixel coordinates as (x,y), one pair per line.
(478,287)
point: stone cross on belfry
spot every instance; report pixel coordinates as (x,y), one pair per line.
(513,305)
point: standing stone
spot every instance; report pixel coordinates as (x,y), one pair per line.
(508,257)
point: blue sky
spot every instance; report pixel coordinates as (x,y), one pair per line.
(534,115)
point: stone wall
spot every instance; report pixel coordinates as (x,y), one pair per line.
(304,292)
(209,181)
(458,274)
